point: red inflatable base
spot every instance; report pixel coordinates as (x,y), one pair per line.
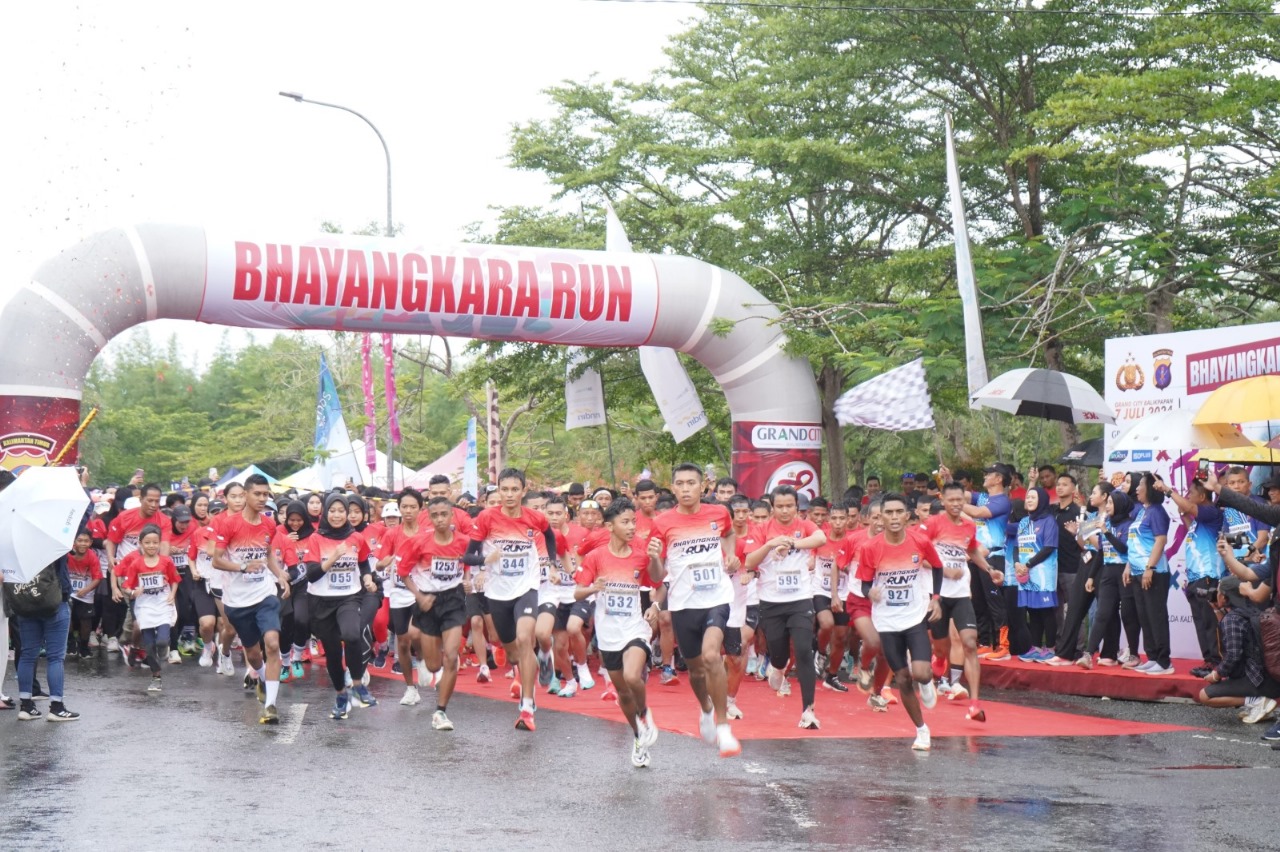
(1098,682)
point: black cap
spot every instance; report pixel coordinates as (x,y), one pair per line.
(181,513)
(1230,588)
(216,506)
(576,488)
(1273,482)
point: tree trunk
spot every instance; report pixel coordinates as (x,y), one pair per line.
(1053,360)
(1160,309)
(830,382)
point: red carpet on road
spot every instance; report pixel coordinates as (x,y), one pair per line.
(842,715)
(1114,682)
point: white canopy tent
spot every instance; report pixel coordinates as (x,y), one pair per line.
(350,465)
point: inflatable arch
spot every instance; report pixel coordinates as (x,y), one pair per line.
(57,323)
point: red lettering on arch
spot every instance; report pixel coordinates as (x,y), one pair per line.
(355,292)
(332,259)
(309,280)
(247,284)
(564,300)
(385,281)
(500,296)
(442,284)
(279,278)
(591,292)
(526,303)
(471,299)
(619,294)
(414,295)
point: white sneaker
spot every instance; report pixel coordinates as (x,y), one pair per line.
(93,640)
(639,755)
(569,689)
(786,689)
(440,722)
(1260,711)
(347,682)
(1248,706)
(776,679)
(175,658)
(707,726)
(732,711)
(727,742)
(411,696)
(648,730)
(584,678)
(1157,669)
(1143,667)
(808,720)
(928,695)
(424,676)
(206,657)
(944,686)
(923,741)
(226,666)
(364,678)
(113,644)
(958,692)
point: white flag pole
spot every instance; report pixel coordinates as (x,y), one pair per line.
(974,353)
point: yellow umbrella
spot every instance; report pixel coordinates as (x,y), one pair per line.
(1243,401)
(1259,453)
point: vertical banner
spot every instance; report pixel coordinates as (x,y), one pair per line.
(974,353)
(669,383)
(583,396)
(470,468)
(673,390)
(495,434)
(39,427)
(389,382)
(371,421)
(331,427)
(766,455)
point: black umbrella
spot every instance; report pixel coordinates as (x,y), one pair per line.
(1085,454)
(1030,392)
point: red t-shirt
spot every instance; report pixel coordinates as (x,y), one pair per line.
(904,572)
(84,570)
(953,542)
(127,527)
(246,542)
(619,618)
(693,549)
(344,577)
(516,571)
(133,566)
(434,566)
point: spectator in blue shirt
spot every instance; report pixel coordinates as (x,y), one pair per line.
(1149,568)
(1204,567)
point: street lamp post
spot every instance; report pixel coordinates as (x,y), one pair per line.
(297,96)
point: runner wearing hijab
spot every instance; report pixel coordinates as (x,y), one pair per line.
(290,545)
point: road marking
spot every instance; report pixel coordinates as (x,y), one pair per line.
(795,808)
(754,768)
(292,723)
(1263,744)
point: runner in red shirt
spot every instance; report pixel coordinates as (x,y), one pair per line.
(901,574)
(744,612)
(86,575)
(617,574)
(431,568)
(831,578)
(151,581)
(555,603)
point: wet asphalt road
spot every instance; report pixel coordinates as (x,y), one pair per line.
(192,769)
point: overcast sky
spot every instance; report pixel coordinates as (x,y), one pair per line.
(119,113)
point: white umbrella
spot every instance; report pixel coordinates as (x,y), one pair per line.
(1036,392)
(1174,430)
(40,514)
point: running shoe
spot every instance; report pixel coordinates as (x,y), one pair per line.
(226,667)
(669,676)
(776,679)
(877,703)
(127,650)
(482,676)
(249,679)
(260,691)
(1107,662)
(361,697)
(440,722)
(341,706)
(1273,733)
(1158,669)
(411,696)
(525,721)
(923,740)
(1031,656)
(6,703)
(93,640)
(1086,661)
(585,680)
(1247,707)
(732,710)
(298,671)
(424,676)
(820,664)
(1000,655)
(975,714)
(59,713)
(833,682)
(752,664)
(808,720)
(366,678)
(499,657)
(285,672)
(609,693)
(380,658)
(786,689)
(206,657)
(1055,660)
(113,644)
(554,687)
(864,680)
(568,689)
(639,755)
(28,711)
(270,716)
(310,649)
(517,691)
(156,686)
(395,668)
(86,654)
(1201,672)
(1260,711)
(1131,662)
(1149,664)
(958,692)
(1046,654)
(762,670)
(707,726)
(928,695)
(887,694)
(546,670)
(648,729)
(728,743)
(236,644)
(944,686)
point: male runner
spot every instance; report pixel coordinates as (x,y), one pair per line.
(244,554)
(901,574)
(831,571)
(690,544)
(744,612)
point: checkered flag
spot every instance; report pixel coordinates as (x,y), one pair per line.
(897,401)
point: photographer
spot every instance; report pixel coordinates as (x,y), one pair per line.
(1252,568)
(1239,680)
(1204,567)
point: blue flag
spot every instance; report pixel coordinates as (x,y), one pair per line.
(329,417)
